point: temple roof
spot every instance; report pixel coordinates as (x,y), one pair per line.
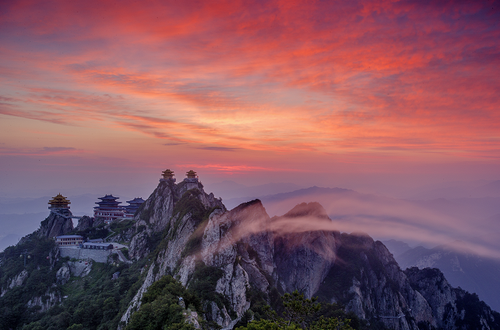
(59,200)
(191,174)
(109,198)
(167,174)
(136,200)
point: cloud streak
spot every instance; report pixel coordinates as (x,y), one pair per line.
(382,71)
(382,222)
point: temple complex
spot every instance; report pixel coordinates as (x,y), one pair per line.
(132,207)
(108,209)
(167,175)
(59,202)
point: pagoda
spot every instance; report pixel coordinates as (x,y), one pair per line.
(59,202)
(168,175)
(191,177)
(132,207)
(191,174)
(108,209)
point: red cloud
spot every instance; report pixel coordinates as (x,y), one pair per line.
(314,76)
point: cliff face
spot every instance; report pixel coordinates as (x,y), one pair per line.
(452,308)
(162,210)
(302,260)
(242,250)
(462,269)
(57,223)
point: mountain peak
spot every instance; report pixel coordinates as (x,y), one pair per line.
(308,209)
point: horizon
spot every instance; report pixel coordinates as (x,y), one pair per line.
(377,215)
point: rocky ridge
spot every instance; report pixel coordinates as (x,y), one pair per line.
(57,223)
(193,231)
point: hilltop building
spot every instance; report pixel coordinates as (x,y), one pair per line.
(191,180)
(59,202)
(132,207)
(168,176)
(69,240)
(191,176)
(109,209)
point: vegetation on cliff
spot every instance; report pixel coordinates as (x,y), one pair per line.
(301,313)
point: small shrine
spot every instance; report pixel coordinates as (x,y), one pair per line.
(168,175)
(59,202)
(191,174)
(191,177)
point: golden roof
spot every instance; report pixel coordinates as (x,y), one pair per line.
(167,174)
(191,174)
(59,200)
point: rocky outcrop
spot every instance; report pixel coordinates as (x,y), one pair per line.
(63,274)
(84,223)
(462,268)
(57,223)
(18,280)
(173,217)
(44,303)
(246,250)
(80,268)
(158,209)
(304,259)
(452,308)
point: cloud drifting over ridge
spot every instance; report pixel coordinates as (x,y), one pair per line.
(399,220)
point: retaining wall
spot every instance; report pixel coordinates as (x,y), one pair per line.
(77,253)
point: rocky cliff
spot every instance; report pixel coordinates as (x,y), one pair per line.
(243,250)
(57,223)
(464,269)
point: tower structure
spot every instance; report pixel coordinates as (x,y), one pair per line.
(167,175)
(59,202)
(191,176)
(108,209)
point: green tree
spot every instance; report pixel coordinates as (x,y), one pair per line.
(299,313)
(331,323)
(298,309)
(160,309)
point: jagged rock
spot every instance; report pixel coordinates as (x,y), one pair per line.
(451,307)
(63,274)
(85,223)
(19,279)
(80,268)
(192,318)
(220,316)
(157,214)
(251,251)
(139,245)
(303,259)
(158,209)
(57,223)
(45,302)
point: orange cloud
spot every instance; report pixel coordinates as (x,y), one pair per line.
(385,78)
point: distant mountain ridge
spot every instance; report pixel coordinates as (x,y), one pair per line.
(468,271)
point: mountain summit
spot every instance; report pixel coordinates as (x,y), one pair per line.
(251,252)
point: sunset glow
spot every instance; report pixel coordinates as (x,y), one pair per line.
(272,89)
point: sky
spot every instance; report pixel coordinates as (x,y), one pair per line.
(101,95)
